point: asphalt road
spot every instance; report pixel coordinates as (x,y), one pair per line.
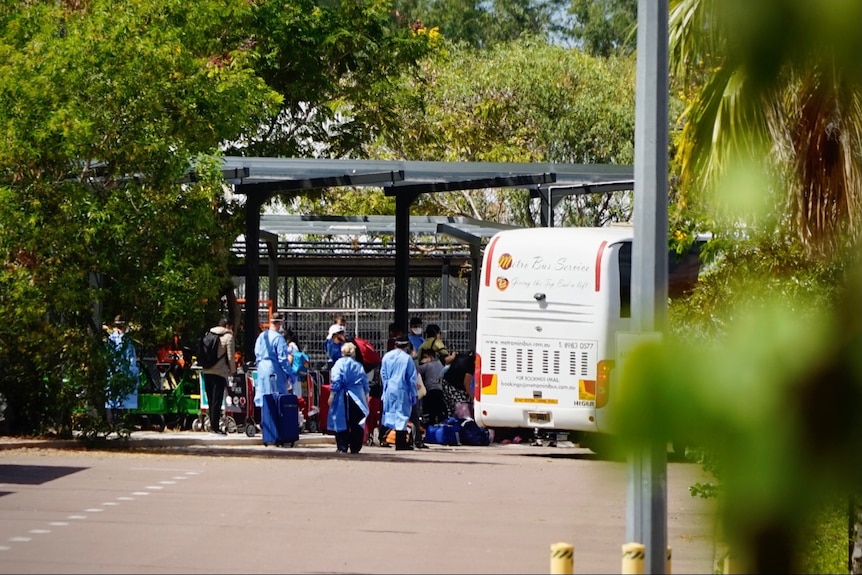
(220,509)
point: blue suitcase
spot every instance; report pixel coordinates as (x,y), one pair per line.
(279,421)
(443,434)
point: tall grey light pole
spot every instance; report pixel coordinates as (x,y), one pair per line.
(646,509)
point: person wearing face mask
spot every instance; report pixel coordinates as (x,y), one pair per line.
(270,352)
(415,334)
(336,338)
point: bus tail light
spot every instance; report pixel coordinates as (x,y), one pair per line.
(477,379)
(603,380)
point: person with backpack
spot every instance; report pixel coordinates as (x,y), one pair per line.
(270,355)
(434,341)
(218,370)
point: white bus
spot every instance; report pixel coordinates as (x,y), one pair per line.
(551,301)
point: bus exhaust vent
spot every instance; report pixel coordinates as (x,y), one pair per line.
(573,359)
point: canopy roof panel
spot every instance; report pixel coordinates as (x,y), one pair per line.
(273,175)
(289,224)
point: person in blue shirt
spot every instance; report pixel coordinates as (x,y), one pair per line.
(348,401)
(270,354)
(338,319)
(124,373)
(398,372)
(416,333)
(334,341)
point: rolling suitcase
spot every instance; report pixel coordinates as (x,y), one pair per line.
(279,422)
(372,422)
(324,408)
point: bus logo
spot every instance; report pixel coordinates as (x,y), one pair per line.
(505,261)
(502,283)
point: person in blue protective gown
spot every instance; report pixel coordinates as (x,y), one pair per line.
(270,354)
(398,372)
(348,401)
(124,373)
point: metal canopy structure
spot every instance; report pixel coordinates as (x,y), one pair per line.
(259,179)
(279,175)
(463,230)
(551,195)
(290,224)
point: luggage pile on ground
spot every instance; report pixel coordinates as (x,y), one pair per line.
(458,431)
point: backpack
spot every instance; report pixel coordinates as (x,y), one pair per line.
(472,434)
(299,367)
(366,354)
(208,346)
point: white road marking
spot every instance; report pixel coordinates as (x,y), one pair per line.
(171,469)
(98,509)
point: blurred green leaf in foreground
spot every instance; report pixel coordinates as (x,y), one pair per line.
(775,398)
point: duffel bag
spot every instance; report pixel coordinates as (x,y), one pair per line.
(443,434)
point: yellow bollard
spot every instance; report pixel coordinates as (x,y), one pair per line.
(667,566)
(634,557)
(562,559)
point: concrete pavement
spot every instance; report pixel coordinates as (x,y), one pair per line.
(167,438)
(308,509)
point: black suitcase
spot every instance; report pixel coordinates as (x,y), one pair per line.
(279,422)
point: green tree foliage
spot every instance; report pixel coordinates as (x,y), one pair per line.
(519,102)
(605,27)
(768,382)
(777,84)
(103,110)
(333,63)
(485,24)
(763,368)
(100,111)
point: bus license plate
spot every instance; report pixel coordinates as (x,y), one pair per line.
(539,417)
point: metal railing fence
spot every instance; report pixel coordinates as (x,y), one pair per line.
(312,325)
